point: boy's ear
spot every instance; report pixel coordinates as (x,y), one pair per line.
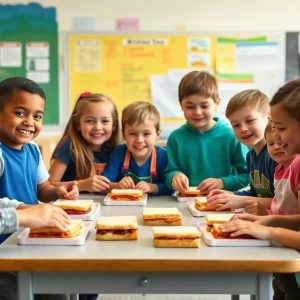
(269,117)
(158,134)
(218,101)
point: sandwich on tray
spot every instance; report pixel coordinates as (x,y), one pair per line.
(191,192)
(126,195)
(176,237)
(117,228)
(162,216)
(213,226)
(201,205)
(75,207)
(54,232)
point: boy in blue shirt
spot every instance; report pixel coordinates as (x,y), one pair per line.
(204,152)
(24,176)
(139,164)
(248,113)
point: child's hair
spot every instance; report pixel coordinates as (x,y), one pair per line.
(252,98)
(80,150)
(269,129)
(8,85)
(138,113)
(289,97)
(201,83)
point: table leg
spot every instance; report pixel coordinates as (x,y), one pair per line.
(235,297)
(264,289)
(74,297)
(252,297)
(25,286)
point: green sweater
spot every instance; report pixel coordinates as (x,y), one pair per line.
(215,153)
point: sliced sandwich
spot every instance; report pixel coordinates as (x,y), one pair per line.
(219,219)
(201,204)
(162,216)
(126,195)
(54,232)
(75,207)
(218,234)
(117,228)
(191,192)
(176,237)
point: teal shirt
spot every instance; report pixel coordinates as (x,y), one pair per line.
(215,153)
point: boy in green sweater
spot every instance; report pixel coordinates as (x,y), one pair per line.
(204,152)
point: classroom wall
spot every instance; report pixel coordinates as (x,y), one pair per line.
(165,15)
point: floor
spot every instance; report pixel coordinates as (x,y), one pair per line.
(169,297)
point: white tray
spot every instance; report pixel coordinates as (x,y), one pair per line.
(108,201)
(184,199)
(197,213)
(24,239)
(211,241)
(95,209)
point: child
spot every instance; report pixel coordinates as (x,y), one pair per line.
(139,164)
(285,201)
(22,104)
(85,147)
(285,115)
(204,151)
(248,113)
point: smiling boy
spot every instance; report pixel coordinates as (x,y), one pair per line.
(204,152)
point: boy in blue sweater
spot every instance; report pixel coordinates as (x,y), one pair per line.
(139,164)
(248,113)
(204,152)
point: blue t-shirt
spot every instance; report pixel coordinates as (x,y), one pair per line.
(65,155)
(114,173)
(261,169)
(23,169)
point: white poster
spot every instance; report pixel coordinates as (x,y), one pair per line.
(37,49)
(39,77)
(10,54)
(37,64)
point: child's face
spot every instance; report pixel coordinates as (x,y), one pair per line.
(198,111)
(140,139)
(249,125)
(276,152)
(96,124)
(287,129)
(21,119)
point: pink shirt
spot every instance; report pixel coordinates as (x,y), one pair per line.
(286,183)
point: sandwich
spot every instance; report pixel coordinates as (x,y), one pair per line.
(126,195)
(201,204)
(54,232)
(176,237)
(75,207)
(162,216)
(117,228)
(219,219)
(191,192)
(218,234)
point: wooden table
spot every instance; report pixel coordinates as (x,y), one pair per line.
(123,267)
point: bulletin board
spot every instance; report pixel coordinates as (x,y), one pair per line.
(144,66)
(29,48)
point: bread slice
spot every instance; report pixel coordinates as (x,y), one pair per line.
(126,195)
(176,237)
(54,232)
(201,204)
(117,228)
(74,206)
(218,218)
(162,216)
(192,191)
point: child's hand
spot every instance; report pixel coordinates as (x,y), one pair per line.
(210,184)
(239,227)
(95,183)
(228,199)
(255,208)
(147,187)
(180,182)
(43,215)
(127,183)
(246,217)
(69,190)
